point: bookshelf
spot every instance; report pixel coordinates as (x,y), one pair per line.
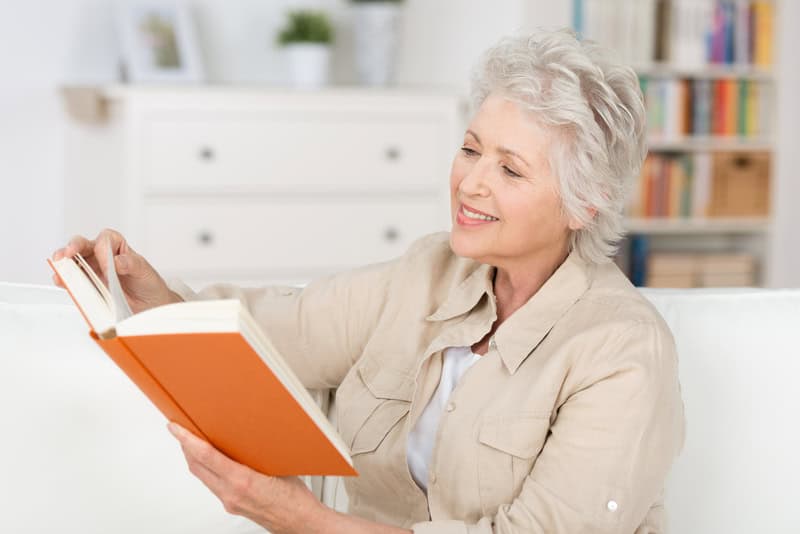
(702,201)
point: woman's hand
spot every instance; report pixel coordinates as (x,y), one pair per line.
(143,286)
(279,504)
(282,505)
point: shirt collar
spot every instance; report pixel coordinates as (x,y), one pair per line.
(466,295)
(522,332)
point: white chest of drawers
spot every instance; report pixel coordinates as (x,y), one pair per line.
(262,186)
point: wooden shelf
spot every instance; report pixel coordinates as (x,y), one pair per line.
(712,71)
(688,226)
(708,144)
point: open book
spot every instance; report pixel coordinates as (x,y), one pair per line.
(208,366)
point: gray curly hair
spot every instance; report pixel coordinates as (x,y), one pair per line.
(594,109)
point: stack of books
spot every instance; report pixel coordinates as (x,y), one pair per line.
(684,270)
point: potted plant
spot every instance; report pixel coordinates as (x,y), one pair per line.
(376,32)
(307,38)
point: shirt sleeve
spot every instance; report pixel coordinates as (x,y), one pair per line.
(320,329)
(611,446)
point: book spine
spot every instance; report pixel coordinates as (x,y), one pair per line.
(688,181)
(732,110)
(701,185)
(764,33)
(742,111)
(121,355)
(639,251)
(742,32)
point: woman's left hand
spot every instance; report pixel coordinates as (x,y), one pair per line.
(279,504)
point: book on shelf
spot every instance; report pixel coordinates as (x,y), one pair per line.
(679,108)
(685,269)
(702,184)
(209,367)
(683,33)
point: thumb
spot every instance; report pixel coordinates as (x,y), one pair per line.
(124,263)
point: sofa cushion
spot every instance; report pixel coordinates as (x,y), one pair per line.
(739,353)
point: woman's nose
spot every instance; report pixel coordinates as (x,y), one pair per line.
(476,181)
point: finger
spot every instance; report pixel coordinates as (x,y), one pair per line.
(106,239)
(129,263)
(79,245)
(204,453)
(57,280)
(211,480)
(58,254)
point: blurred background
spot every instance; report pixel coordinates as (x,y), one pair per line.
(275,141)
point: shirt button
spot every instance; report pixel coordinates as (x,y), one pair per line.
(612,506)
(450,407)
(432,479)
(492,344)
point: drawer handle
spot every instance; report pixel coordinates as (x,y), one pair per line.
(205,238)
(393,153)
(207,153)
(391,234)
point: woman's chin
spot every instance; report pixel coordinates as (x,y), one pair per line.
(466,246)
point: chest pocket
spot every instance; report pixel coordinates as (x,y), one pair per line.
(509,445)
(370,404)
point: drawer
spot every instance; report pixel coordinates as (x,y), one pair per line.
(268,151)
(260,239)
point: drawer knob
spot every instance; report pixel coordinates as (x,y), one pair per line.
(391,234)
(205,238)
(393,153)
(206,153)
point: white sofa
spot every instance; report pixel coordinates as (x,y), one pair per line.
(83,452)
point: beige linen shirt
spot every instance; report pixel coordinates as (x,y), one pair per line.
(568,424)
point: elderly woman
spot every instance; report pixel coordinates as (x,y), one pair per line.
(505,377)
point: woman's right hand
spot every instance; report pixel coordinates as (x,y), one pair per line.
(144,288)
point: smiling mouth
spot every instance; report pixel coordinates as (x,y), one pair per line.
(476,215)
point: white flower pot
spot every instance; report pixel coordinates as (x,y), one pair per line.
(309,64)
(376,30)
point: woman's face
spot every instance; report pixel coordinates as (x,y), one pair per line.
(505,204)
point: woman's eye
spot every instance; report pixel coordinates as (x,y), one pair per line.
(509,172)
(468,151)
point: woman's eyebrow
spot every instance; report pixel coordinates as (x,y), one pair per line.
(508,151)
(502,149)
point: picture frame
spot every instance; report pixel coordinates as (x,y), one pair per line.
(158,43)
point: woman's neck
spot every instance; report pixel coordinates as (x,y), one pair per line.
(514,285)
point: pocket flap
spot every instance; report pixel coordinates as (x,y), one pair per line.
(385,382)
(519,435)
(378,426)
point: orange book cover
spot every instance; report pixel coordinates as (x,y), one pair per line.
(207,366)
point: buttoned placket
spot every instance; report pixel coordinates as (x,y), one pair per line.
(472,329)
(450,408)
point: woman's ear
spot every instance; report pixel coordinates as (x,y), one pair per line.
(576,224)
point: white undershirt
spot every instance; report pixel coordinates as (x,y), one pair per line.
(420,440)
